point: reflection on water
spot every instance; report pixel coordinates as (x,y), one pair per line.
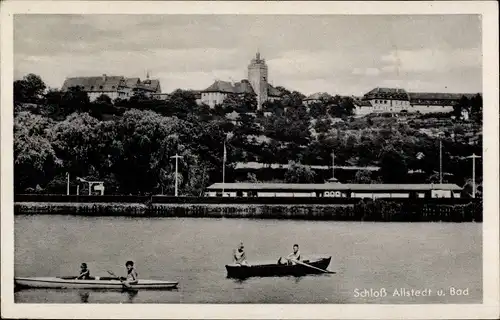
(131,294)
(194,252)
(84,296)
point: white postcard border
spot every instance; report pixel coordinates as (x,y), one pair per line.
(490,306)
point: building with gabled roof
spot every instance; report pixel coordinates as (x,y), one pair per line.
(388,99)
(112,86)
(395,100)
(256,83)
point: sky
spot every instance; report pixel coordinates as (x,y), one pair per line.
(338,54)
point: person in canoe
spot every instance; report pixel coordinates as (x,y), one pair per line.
(84,272)
(292,257)
(240,256)
(132,277)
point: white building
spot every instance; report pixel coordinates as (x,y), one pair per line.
(257,83)
(112,86)
(395,100)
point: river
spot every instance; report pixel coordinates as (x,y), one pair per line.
(383,257)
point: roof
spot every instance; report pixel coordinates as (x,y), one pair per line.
(387,93)
(272,91)
(228,87)
(438,96)
(106,83)
(362,103)
(258,165)
(132,82)
(318,96)
(332,186)
(95,84)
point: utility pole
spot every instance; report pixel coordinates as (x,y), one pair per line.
(224,157)
(176,157)
(440,161)
(474,173)
(333,165)
(67,184)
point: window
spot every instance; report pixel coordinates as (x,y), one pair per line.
(100,87)
(112,87)
(91,87)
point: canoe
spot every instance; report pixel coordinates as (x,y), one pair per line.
(276,270)
(110,283)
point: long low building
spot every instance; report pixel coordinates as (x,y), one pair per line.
(337,190)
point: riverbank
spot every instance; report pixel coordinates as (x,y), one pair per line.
(364,210)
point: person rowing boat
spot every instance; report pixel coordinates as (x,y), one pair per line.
(292,257)
(239,255)
(84,272)
(132,277)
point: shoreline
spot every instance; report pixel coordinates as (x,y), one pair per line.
(376,210)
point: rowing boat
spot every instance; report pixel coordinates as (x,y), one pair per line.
(110,283)
(274,270)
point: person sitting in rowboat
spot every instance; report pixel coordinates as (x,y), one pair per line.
(84,272)
(132,277)
(240,256)
(292,257)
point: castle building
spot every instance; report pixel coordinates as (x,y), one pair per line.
(396,100)
(257,83)
(113,86)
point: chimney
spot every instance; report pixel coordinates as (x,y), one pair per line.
(104,77)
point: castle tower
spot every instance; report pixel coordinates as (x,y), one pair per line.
(257,76)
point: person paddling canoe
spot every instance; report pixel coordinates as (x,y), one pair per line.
(240,256)
(132,277)
(292,257)
(84,272)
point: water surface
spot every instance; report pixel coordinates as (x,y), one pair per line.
(194,251)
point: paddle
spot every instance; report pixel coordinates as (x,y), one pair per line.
(308,265)
(123,283)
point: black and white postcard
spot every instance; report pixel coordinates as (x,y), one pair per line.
(302,160)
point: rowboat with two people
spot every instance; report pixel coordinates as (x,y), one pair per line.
(292,265)
(85,281)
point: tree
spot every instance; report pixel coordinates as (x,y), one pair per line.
(363,176)
(476,109)
(393,166)
(318,110)
(462,104)
(35,161)
(74,100)
(297,173)
(181,103)
(29,90)
(323,125)
(293,99)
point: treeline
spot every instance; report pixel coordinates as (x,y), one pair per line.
(128,144)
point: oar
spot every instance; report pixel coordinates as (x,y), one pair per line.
(123,283)
(308,265)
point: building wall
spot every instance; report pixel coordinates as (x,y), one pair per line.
(381,105)
(213,98)
(93,95)
(441,194)
(362,110)
(340,194)
(428,108)
(387,105)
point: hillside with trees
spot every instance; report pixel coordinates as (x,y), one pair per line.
(129,143)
